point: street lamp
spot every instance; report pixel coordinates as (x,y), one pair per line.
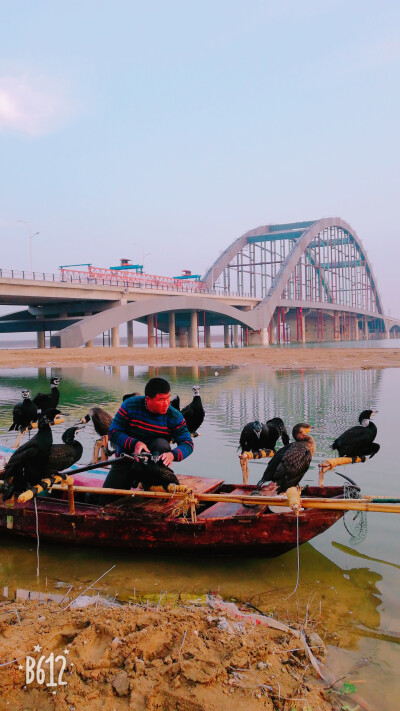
(31,236)
(136,244)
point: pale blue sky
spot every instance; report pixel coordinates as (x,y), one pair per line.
(181,125)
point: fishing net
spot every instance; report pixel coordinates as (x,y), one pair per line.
(355,522)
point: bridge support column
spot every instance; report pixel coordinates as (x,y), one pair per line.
(171,329)
(258,338)
(193,330)
(181,335)
(115,337)
(150,331)
(207,336)
(226,336)
(236,336)
(129,334)
(356,330)
(41,339)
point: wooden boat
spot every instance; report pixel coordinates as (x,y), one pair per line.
(144,524)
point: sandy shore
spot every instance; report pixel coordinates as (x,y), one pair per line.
(169,658)
(292,358)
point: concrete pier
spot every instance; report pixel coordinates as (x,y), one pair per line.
(129,334)
(41,339)
(182,337)
(172,329)
(226,336)
(150,331)
(194,323)
(115,336)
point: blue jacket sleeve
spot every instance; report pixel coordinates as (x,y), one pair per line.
(117,432)
(182,437)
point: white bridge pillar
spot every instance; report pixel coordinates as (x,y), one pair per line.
(41,339)
(193,330)
(129,334)
(172,329)
(115,336)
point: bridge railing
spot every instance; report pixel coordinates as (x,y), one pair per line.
(117,281)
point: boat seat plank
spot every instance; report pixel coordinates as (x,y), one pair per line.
(161,507)
(231,510)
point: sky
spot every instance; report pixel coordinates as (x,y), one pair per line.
(162,131)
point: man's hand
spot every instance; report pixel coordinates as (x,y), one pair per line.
(140,447)
(167,458)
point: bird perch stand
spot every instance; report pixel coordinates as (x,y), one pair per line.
(244,460)
(329,464)
(45,485)
(18,440)
(293,497)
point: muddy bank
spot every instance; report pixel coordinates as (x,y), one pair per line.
(146,658)
(293,358)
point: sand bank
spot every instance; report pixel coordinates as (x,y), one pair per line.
(292,358)
(173,658)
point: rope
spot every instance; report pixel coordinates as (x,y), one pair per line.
(298,559)
(37,538)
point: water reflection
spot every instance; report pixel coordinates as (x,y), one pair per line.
(356,600)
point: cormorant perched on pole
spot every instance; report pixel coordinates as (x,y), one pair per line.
(50,400)
(358,441)
(63,456)
(24,413)
(288,466)
(27,465)
(194,412)
(101,422)
(256,436)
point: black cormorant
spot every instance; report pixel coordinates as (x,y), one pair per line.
(153,472)
(194,412)
(277,429)
(63,456)
(127,395)
(288,466)
(176,403)
(24,413)
(48,401)
(256,436)
(28,464)
(358,441)
(101,423)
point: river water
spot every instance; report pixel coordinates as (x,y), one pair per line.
(349,576)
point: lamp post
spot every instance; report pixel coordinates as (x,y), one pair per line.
(136,244)
(31,236)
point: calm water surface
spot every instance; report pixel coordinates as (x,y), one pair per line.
(349,576)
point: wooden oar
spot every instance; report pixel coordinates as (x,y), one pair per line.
(306,502)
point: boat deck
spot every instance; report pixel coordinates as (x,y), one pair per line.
(149,508)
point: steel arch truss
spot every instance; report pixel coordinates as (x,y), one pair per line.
(322,261)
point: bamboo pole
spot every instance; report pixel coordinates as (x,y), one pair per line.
(306,502)
(244,460)
(333,462)
(49,483)
(71,499)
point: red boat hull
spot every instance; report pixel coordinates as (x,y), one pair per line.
(150,525)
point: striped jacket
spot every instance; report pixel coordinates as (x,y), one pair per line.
(133,422)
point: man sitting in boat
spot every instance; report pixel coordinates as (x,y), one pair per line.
(146,424)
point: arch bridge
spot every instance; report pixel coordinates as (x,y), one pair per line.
(302,281)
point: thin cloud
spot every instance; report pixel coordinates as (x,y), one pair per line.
(30,105)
